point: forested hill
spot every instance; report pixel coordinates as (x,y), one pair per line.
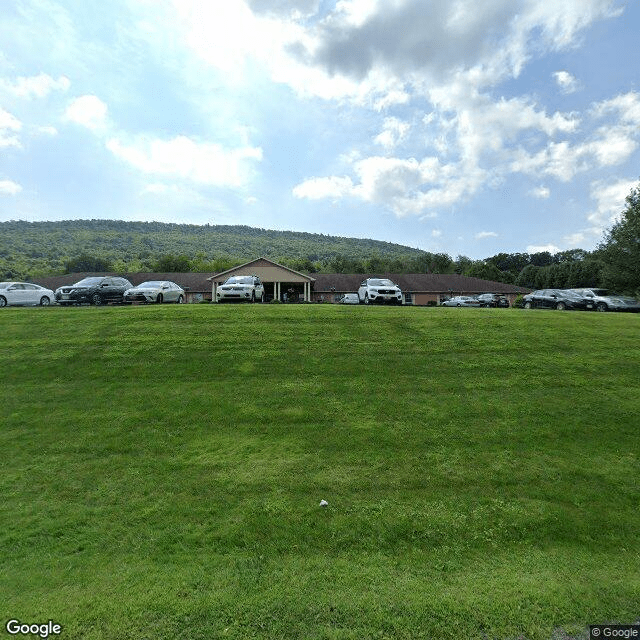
(40,248)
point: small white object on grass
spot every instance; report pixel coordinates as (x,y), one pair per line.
(324,503)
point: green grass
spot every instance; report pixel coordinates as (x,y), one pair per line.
(162,471)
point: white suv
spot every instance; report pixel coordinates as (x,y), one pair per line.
(379,290)
(241,288)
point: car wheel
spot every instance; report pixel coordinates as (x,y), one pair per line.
(458,305)
(366,298)
(527,305)
(561,306)
(3,301)
(602,307)
(180,299)
(96,299)
(44,301)
(159,299)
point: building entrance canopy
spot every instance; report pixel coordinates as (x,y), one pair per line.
(279,281)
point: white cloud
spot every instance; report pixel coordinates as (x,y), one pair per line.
(319,188)
(575,240)
(9,125)
(610,202)
(486,234)
(405,186)
(540,192)
(566,82)
(159,188)
(627,106)
(447,57)
(394,131)
(34,86)
(428,42)
(436,233)
(373,52)
(541,248)
(182,157)
(609,146)
(47,131)
(88,111)
(8,187)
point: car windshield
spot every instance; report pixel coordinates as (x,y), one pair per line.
(380,282)
(568,293)
(151,284)
(88,282)
(4,285)
(240,280)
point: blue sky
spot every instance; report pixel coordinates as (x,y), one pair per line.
(447,125)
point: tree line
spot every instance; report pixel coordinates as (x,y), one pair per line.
(32,249)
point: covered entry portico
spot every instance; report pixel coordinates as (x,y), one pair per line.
(277,279)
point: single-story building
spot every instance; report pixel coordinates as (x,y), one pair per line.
(283,283)
(418,288)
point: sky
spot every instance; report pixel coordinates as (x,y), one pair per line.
(456,126)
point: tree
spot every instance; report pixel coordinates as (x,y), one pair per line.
(529,277)
(462,265)
(86,262)
(620,249)
(542,259)
(512,262)
(486,271)
(173,264)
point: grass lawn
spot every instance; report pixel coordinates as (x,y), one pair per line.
(162,471)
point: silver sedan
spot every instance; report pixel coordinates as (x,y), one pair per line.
(461,301)
(155,291)
(25,294)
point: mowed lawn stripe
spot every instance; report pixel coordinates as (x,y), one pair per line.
(164,466)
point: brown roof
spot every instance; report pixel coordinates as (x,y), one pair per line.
(192,282)
(329,282)
(415,283)
(259,262)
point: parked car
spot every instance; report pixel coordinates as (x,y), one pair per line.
(493,300)
(349,298)
(606,301)
(241,288)
(95,290)
(560,299)
(379,291)
(24,293)
(461,301)
(155,291)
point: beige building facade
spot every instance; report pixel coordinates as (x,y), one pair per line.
(280,282)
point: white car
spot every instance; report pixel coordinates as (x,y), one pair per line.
(241,288)
(25,293)
(155,291)
(379,290)
(349,298)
